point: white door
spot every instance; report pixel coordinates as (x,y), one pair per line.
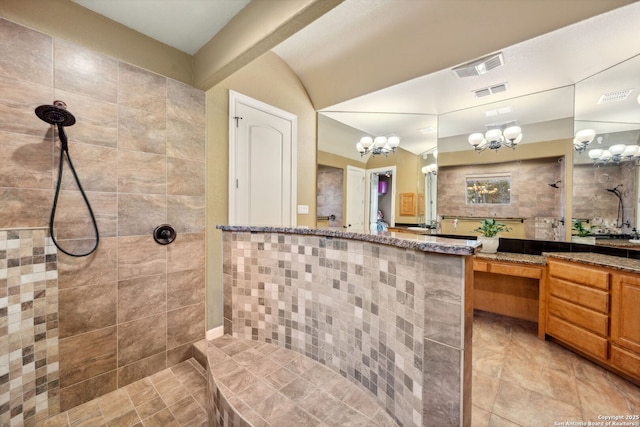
(262,163)
(355,199)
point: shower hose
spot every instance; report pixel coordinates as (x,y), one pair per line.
(64,152)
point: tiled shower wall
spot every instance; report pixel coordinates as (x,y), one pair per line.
(394,321)
(29,374)
(531,196)
(330,193)
(592,201)
(133,307)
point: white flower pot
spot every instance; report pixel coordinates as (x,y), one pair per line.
(489,244)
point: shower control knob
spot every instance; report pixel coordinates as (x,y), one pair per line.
(164,234)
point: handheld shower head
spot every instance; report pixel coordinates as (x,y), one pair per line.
(56,114)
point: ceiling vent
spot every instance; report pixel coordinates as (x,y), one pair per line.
(615,96)
(491,90)
(501,126)
(480,66)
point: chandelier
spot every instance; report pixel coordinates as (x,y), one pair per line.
(496,138)
(379,145)
(582,139)
(616,153)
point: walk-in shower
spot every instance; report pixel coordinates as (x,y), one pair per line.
(58,115)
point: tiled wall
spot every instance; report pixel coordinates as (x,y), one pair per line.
(592,201)
(531,195)
(134,307)
(392,320)
(29,382)
(330,193)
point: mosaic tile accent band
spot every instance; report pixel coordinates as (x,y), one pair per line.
(29,383)
(391,319)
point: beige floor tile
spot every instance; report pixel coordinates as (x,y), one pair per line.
(188,412)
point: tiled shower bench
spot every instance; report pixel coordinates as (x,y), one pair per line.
(258,384)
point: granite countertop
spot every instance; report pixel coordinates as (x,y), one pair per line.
(629,265)
(419,242)
(617,243)
(514,257)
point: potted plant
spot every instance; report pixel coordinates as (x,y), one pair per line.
(582,233)
(489,229)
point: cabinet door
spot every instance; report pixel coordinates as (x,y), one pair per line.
(625,312)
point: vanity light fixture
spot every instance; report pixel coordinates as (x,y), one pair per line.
(431,169)
(379,145)
(583,138)
(496,138)
(616,153)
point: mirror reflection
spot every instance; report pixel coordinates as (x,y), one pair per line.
(605,171)
(390,186)
(555,181)
(535,167)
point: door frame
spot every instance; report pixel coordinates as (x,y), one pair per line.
(391,221)
(364,198)
(236,98)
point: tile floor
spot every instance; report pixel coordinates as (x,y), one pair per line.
(174,397)
(518,380)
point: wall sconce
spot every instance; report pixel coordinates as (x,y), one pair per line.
(496,138)
(379,145)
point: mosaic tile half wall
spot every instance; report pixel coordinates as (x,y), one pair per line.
(29,384)
(392,320)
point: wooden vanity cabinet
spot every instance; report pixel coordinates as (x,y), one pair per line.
(595,310)
(625,323)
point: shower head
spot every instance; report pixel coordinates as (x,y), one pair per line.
(56,114)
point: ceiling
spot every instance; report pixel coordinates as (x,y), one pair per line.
(184,24)
(552,60)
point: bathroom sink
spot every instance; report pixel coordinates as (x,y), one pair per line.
(634,241)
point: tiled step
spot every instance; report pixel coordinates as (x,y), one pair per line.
(260,384)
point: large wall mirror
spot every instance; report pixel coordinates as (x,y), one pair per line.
(550,89)
(533,172)
(605,172)
(391,188)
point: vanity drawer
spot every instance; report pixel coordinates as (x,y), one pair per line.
(579,274)
(508,269)
(577,337)
(589,319)
(585,296)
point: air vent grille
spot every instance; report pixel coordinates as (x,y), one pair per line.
(615,96)
(502,125)
(480,66)
(491,90)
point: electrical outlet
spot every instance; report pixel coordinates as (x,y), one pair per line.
(303,209)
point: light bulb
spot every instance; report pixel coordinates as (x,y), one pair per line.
(585,136)
(366,141)
(493,135)
(512,132)
(393,141)
(379,141)
(435,153)
(595,153)
(360,148)
(475,139)
(630,150)
(617,149)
